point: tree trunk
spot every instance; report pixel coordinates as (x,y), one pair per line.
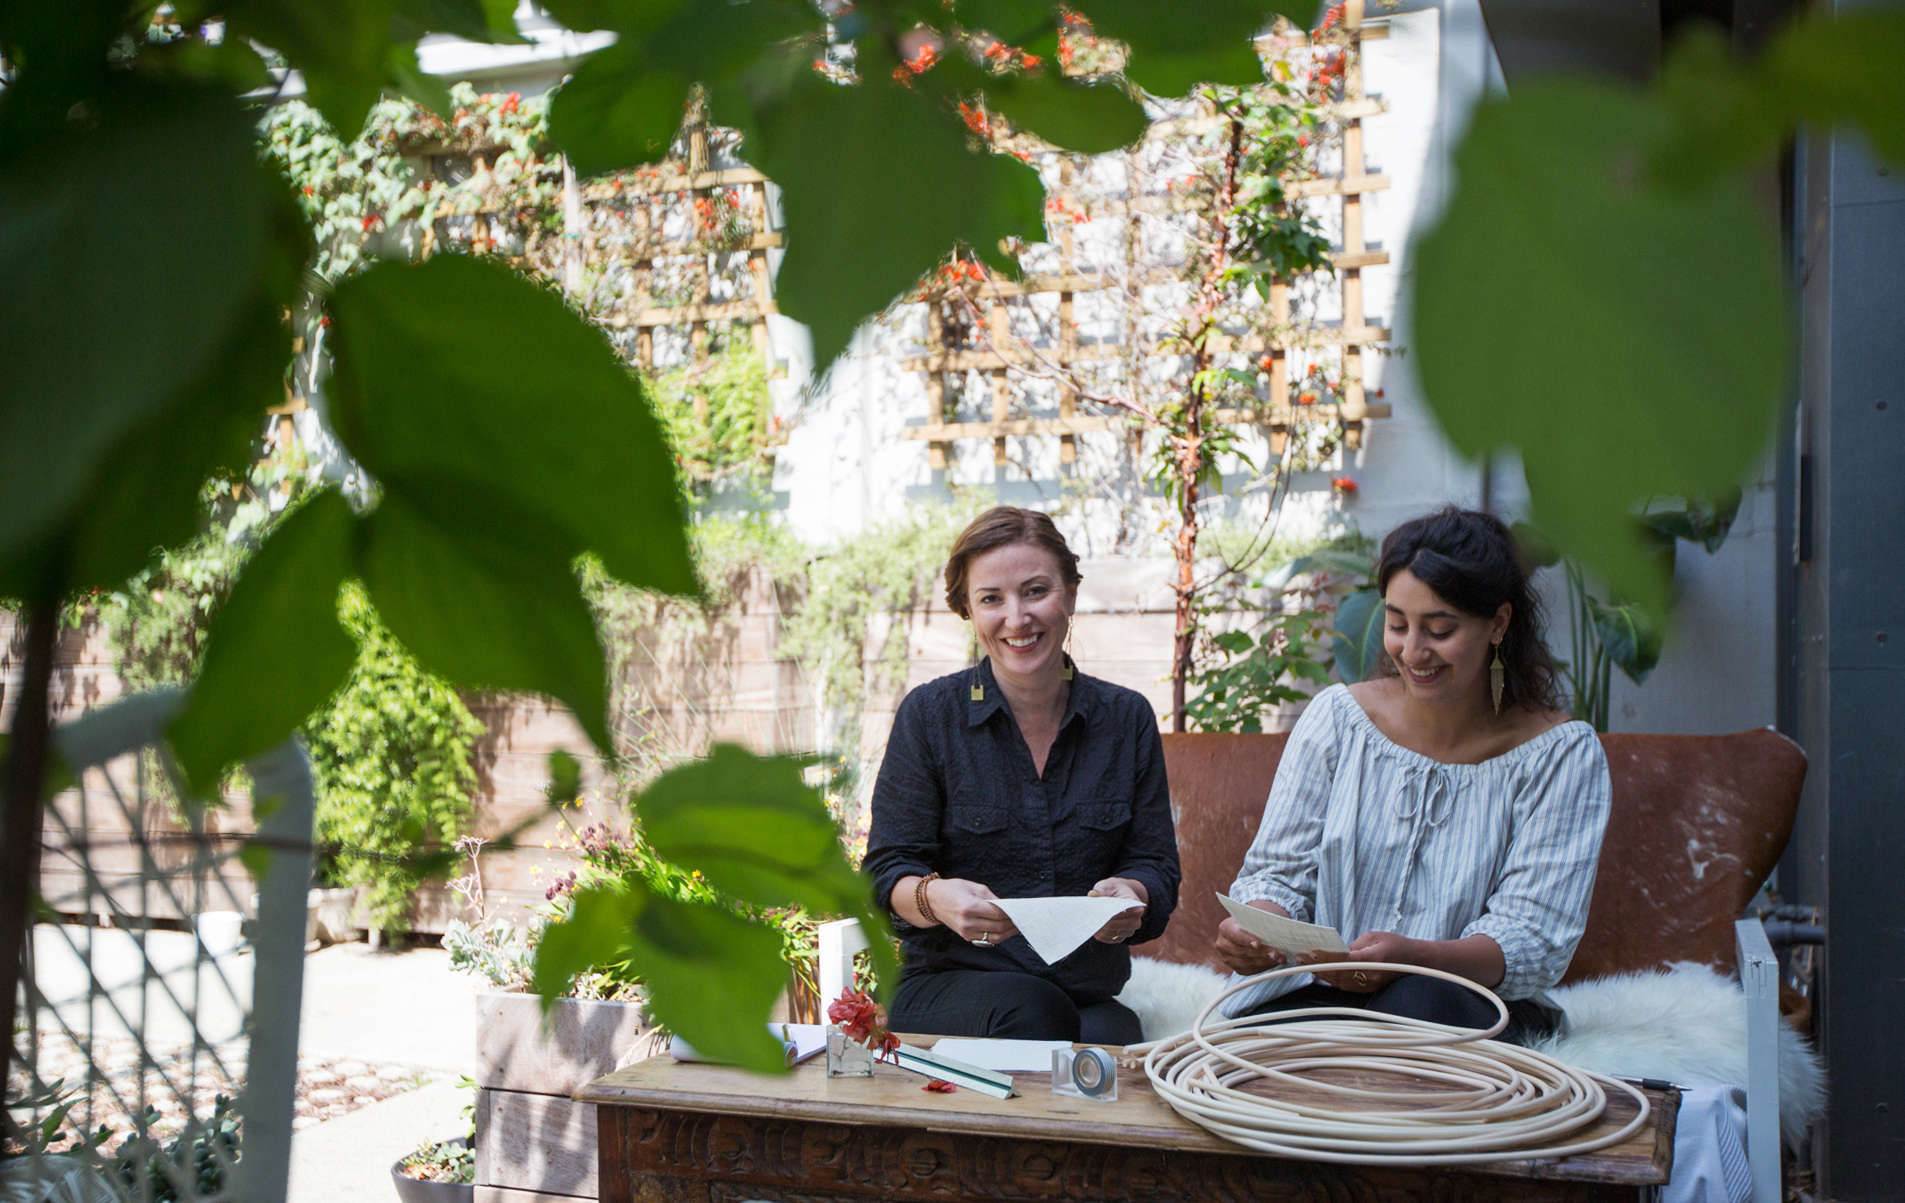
(1190,441)
(20,813)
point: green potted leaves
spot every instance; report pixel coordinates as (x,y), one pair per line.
(438,1172)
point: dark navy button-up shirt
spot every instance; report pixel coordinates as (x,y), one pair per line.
(957,795)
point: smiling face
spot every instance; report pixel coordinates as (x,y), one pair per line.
(1441,652)
(1021,609)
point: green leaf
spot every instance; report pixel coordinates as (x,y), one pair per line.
(565,778)
(486,603)
(623,105)
(1845,69)
(491,21)
(341,48)
(147,493)
(1705,521)
(760,835)
(1233,642)
(1357,639)
(414,84)
(256,858)
(1534,549)
(1336,561)
(712,976)
(231,64)
(1016,22)
(626,16)
(1173,51)
(1088,118)
(823,142)
(617,110)
(275,651)
(1629,636)
(87,362)
(517,400)
(1626,339)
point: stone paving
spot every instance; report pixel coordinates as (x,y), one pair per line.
(328,1086)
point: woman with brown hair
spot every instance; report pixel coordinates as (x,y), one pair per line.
(1019,777)
(1446,813)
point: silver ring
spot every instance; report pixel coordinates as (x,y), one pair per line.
(984,940)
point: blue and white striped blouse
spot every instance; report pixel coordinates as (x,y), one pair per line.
(1363,834)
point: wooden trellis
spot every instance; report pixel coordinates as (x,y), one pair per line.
(630,224)
(1001,358)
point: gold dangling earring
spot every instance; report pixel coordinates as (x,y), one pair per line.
(1496,678)
(1065,666)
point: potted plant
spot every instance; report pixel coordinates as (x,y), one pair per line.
(437,1172)
(529,1062)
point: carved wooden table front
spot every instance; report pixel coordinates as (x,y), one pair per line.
(672,1132)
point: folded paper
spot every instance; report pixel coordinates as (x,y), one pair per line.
(1055,927)
(1298,941)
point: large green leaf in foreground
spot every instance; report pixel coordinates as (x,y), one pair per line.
(711,975)
(87,357)
(1628,339)
(459,378)
(278,650)
(761,837)
(880,185)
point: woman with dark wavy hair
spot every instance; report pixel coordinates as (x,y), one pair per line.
(1445,813)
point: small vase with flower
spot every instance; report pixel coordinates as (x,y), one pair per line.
(857,1036)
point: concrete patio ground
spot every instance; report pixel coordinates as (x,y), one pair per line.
(398,1026)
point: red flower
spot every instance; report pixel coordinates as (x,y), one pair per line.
(511,103)
(862,1021)
(1343,485)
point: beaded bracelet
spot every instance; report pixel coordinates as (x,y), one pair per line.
(919,898)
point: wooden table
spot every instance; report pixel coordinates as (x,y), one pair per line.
(671,1132)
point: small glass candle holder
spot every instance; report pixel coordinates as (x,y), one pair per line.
(846,1057)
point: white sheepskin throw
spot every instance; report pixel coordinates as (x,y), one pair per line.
(1167,997)
(1686,1024)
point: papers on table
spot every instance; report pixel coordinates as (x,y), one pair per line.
(1006,1056)
(1055,927)
(1298,941)
(801,1040)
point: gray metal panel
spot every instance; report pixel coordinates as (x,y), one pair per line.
(1852,680)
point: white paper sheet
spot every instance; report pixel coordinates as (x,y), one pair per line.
(1006,1056)
(1294,940)
(1055,927)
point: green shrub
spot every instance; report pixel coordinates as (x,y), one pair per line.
(393,753)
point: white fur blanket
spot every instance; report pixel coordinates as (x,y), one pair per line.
(1686,1024)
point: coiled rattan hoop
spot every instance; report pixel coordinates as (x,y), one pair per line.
(1484,1100)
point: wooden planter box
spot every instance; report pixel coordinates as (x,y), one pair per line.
(533,1145)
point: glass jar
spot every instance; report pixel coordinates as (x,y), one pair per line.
(846,1057)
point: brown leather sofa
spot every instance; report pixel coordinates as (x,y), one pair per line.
(1697,823)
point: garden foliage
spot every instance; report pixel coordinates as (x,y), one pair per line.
(1585,261)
